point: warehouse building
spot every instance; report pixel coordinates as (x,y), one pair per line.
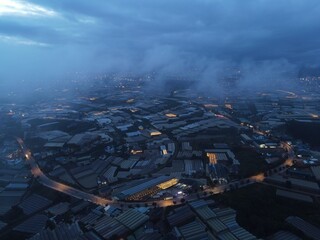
(149,188)
(308,229)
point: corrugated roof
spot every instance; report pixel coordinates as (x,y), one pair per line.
(205,213)
(283,235)
(216,225)
(229,221)
(198,203)
(132,219)
(32,225)
(224,211)
(295,182)
(180,216)
(307,228)
(107,227)
(61,232)
(59,208)
(293,195)
(34,203)
(242,234)
(316,172)
(227,236)
(193,230)
(17,186)
(145,185)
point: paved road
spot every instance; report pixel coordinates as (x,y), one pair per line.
(71,191)
(44,180)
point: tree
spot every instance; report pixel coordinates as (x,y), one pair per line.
(51,224)
(288,184)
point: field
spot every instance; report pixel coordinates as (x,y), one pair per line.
(262,213)
(251,162)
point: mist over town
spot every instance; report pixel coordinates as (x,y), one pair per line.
(159,119)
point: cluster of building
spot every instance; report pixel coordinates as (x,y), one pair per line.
(146,189)
(141,150)
(204,220)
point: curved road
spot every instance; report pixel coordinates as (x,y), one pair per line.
(44,180)
(71,191)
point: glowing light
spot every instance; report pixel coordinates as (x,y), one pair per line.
(212,158)
(36,172)
(289,162)
(259,177)
(134,152)
(168,183)
(99,113)
(155,133)
(133,110)
(220,116)
(171,115)
(229,106)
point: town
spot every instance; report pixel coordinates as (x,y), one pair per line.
(122,161)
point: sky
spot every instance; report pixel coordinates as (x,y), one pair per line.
(47,40)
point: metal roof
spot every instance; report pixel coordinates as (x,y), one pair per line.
(145,185)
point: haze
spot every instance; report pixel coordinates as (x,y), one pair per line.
(46,41)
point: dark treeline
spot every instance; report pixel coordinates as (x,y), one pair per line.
(308,132)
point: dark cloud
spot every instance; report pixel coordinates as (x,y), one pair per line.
(166,36)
